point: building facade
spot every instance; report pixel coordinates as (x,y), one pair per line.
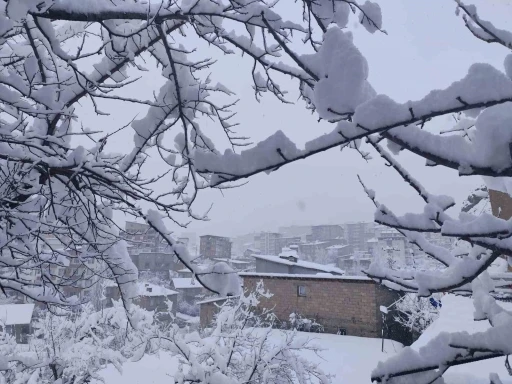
(342,305)
(17,320)
(214,247)
(357,235)
(393,248)
(269,243)
(314,249)
(156,261)
(326,232)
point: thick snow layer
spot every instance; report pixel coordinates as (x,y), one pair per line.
(381,113)
(185,283)
(147,289)
(456,315)
(301,263)
(304,276)
(342,71)
(348,358)
(12,314)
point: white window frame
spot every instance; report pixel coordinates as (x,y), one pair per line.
(301,291)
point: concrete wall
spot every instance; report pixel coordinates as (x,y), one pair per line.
(349,304)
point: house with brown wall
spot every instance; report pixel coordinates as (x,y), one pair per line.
(341,304)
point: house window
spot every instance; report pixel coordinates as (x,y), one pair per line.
(301,290)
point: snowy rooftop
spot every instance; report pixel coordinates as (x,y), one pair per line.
(147,289)
(301,263)
(215,299)
(316,242)
(12,314)
(185,283)
(338,246)
(240,262)
(326,276)
(287,252)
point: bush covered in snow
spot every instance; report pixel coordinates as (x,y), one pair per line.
(417,313)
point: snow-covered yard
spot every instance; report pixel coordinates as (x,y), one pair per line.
(456,315)
(349,358)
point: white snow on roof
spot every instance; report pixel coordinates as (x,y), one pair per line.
(185,283)
(156,290)
(214,299)
(301,263)
(184,270)
(338,246)
(287,252)
(316,242)
(304,276)
(12,314)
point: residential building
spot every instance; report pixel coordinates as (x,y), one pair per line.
(317,249)
(214,246)
(237,264)
(295,231)
(342,305)
(156,261)
(143,238)
(355,263)
(269,243)
(357,234)
(241,243)
(17,319)
(339,250)
(150,297)
(184,272)
(326,232)
(287,241)
(210,307)
(189,289)
(251,251)
(392,248)
(184,240)
(289,263)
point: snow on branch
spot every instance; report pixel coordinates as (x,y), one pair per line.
(397,122)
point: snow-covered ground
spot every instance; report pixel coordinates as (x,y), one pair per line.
(456,315)
(350,359)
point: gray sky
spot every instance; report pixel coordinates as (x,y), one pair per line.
(427,47)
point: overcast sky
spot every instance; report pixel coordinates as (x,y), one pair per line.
(427,47)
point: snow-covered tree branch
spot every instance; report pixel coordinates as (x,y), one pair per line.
(60,58)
